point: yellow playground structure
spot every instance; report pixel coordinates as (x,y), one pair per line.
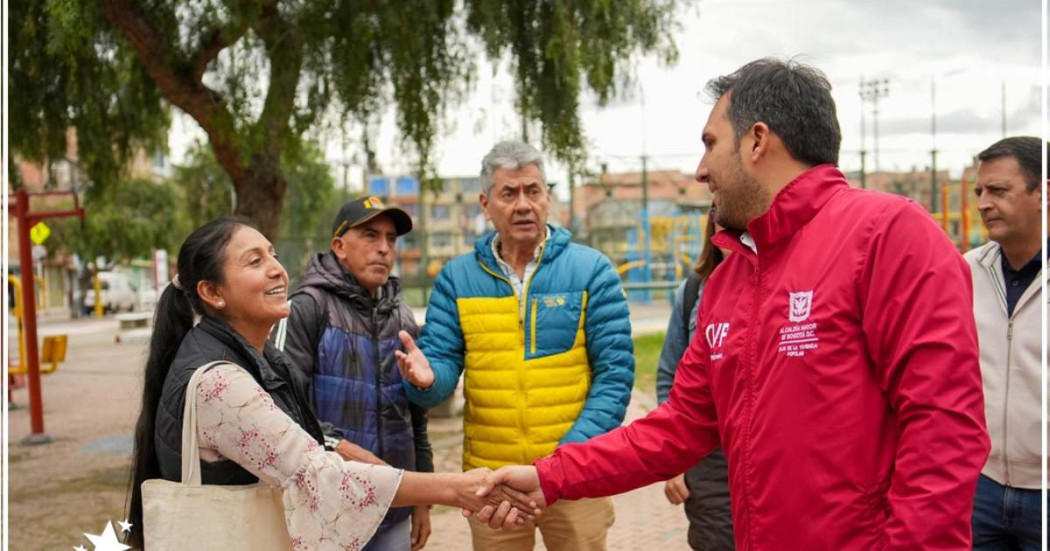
(54,349)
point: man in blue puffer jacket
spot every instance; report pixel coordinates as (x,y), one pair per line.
(540,327)
(341,335)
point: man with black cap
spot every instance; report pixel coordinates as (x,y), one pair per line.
(341,334)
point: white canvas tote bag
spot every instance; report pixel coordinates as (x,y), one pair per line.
(191,516)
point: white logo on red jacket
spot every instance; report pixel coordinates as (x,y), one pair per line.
(800,305)
(798,338)
(716,334)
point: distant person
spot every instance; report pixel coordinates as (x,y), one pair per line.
(1008,294)
(540,329)
(341,336)
(254,421)
(837,362)
(704,488)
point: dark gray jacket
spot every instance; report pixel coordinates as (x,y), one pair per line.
(342,341)
(212,340)
(707,508)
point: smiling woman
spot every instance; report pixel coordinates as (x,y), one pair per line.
(253,421)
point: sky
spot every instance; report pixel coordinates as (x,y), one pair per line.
(965,52)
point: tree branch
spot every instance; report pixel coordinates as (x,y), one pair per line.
(179,84)
(213,42)
(284,47)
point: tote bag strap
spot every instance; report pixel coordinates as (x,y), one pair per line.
(191,455)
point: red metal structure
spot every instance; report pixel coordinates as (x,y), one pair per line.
(19,209)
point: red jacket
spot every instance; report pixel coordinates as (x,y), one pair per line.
(839,366)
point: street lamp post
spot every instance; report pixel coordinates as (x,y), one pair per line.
(872,91)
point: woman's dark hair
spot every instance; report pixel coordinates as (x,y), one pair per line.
(201,258)
(710,255)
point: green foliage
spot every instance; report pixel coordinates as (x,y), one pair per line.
(306,214)
(556,44)
(259,76)
(311,203)
(68,69)
(126,219)
(207,190)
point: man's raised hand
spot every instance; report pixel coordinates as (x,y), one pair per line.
(412,364)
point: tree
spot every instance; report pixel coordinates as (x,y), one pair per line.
(305,216)
(124,220)
(208,190)
(64,75)
(257,75)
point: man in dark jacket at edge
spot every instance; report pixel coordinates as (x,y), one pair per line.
(341,335)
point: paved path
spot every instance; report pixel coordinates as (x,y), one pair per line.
(72,486)
(644,518)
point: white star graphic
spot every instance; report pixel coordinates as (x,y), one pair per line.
(79,548)
(125,526)
(107,541)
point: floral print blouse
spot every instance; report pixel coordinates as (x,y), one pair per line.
(329,503)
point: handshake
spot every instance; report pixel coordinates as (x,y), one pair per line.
(504,498)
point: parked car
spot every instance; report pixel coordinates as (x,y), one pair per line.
(117,293)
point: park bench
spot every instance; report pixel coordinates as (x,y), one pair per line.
(133,320)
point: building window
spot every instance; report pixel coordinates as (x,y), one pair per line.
(471,211)
(439,212)
(441,240)
(408,241)
(379,186)
(470,185)
(407,185)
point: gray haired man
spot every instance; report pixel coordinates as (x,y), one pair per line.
(540,327)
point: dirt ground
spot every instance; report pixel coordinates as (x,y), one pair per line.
(76,483)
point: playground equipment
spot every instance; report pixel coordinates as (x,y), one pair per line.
(675,242)
(42,303)
(54,350)
(19,209)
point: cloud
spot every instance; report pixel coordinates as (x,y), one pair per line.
(885,37)
(967,121)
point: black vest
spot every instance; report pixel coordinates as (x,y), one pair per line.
(209,341)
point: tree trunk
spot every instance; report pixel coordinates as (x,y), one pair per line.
(260,194)
(256,176)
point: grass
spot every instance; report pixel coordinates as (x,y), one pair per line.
(646,355)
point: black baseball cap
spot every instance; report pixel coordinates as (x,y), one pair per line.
(365,208)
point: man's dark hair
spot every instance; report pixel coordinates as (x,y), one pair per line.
(1026,149)
(792,98)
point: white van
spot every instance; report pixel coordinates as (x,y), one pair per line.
(117,293)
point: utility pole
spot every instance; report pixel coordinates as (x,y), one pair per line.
(1003,107)
(872,91)
(863,149)
(424,237)
(647,270)
(572,199)
(934,189)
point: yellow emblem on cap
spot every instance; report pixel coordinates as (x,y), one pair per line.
(373,203)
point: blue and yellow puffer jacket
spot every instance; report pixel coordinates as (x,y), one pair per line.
(562,374)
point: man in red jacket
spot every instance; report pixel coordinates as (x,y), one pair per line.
(835,359)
